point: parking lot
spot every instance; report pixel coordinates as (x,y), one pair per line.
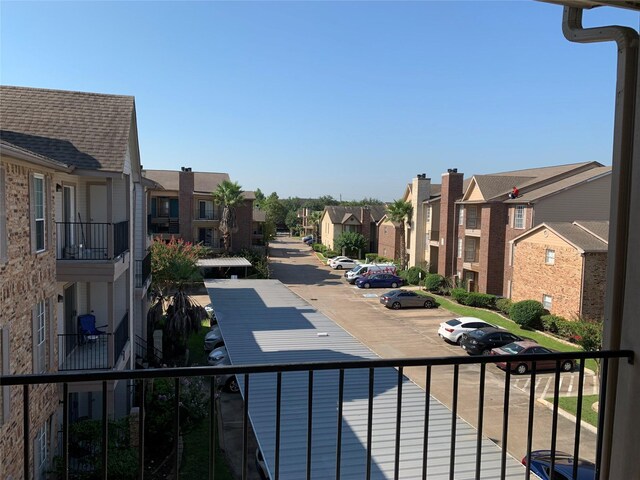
(412,333)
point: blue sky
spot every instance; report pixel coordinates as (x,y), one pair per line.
(349,99)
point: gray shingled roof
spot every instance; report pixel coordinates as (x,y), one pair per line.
(86,130)
(577,236)
(560,185)
(493,186)
(203,182)
(337,213)
(259,215)
(598,228)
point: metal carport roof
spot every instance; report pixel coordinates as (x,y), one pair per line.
(262,321)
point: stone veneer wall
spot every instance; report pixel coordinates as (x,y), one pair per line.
(595,285)
(25,279)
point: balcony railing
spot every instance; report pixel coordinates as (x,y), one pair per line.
(91,241)
(439,448)
(84,352)
(206,214)
(142,270)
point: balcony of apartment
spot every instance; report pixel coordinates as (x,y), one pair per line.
(91,250)
(434,238)
(473,223)
(93,349)
(142,271)
(363,418)
(206,212)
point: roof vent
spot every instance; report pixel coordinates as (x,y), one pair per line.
(452,170)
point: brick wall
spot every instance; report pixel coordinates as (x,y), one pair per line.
(595,284)
(451,191)
(389,240)
(510,234)
(532,278)
(185,204)
(244,218)
(25,279)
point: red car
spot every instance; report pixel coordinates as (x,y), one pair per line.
(528,347)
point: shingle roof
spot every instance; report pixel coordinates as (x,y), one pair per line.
(558,186)
(203,182)
(259,215)
(577,236)
(86,130)
(337,213)
(493,186)
(598,228)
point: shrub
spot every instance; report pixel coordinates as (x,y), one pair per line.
(527,313)
(434,282)
(330,253)
(375,258)
(550,323)
(459,295)
(481,300)
(412,276)
(590,336)
(504,305)
(318,247)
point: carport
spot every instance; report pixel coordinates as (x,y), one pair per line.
(225,262)
(263,322)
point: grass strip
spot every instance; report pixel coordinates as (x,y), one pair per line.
(570,404)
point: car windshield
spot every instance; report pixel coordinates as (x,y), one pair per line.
(454,322)
(512,348)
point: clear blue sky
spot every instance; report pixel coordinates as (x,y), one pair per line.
(347,99)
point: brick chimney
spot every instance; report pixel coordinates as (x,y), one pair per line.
(451,191)
(185,201)
(420,191)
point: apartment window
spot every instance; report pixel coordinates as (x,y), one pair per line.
(460,215)
(549,256)
(205,209)
(472,216)
(518,220)
(470,250)
(38,219)
(3,219)
(547,301)
(205,235)
(459,248)
(41,452)
(428,214)
(40,337)
(162,206)
(426,239)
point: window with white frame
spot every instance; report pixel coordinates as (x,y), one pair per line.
(41,457)
(3,219)
(205,209)
(470,250)
(40,337)
(472,216)
(39,212)
(428,214)
(547,301)
(549,256)
(460,215)
(459,248)
(518,218)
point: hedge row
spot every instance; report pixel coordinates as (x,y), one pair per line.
(323,249)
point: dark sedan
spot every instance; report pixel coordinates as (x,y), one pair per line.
(563,466)
(528,347)
(482,340)
(379,280)
(398,299)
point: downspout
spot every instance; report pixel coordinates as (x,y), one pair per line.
(626,84)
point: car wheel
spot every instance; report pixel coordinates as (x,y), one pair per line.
(428,304)
(338,267)
(567,366)
(232,386)
(394,285)
(366,285)
(521,368)
(486,352)
(396,305)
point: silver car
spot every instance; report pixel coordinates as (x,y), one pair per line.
(213,339)
(227,381)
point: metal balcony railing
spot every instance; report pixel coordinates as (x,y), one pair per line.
(430,429)
(142,270)
(91,240)
(84,352)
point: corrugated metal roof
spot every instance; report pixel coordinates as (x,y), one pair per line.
(224,262)
(262,321)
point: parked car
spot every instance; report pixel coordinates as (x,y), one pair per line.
(307,238)
(218,355)
(228,382)
(453,329)
(398,299)
(261,465)
(213,339)
(365,269)
(344,263)
(335,259)
(379,280)
(310,241)
(482,340)
(563,466)
(525,347)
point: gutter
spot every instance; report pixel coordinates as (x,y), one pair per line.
(623,141)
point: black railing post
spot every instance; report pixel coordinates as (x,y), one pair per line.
(105,432)
(176,427)
(25,432)
(65,431)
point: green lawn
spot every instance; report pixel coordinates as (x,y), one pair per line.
(570,404)
(513,327)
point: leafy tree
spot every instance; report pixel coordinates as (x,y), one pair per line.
(526,313)
(314,219)
(259,198)
(228,194)
(350,242)
(275,209)
(292,220)
(400,211)
(590,338)
(174,267)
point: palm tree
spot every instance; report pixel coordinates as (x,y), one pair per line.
(314,219)
(229,194)
(400,211)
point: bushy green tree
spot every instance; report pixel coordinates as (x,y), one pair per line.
(527,313)
(434,282)
(351,242)
(230,196)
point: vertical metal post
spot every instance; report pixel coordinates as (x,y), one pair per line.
(141,427)
(309,422)
(454,415)
(483,371)
(212,428)
(176,427)
(339,426)
(576,447)
(245,427)
(25,431)
(369,422)
(532,394)
(65,431)
(278,423)
(505,422)
(105,432)
(396,466)
(427,403)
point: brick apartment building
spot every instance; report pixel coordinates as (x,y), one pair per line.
(563,265)
(181,205)
(70,203)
